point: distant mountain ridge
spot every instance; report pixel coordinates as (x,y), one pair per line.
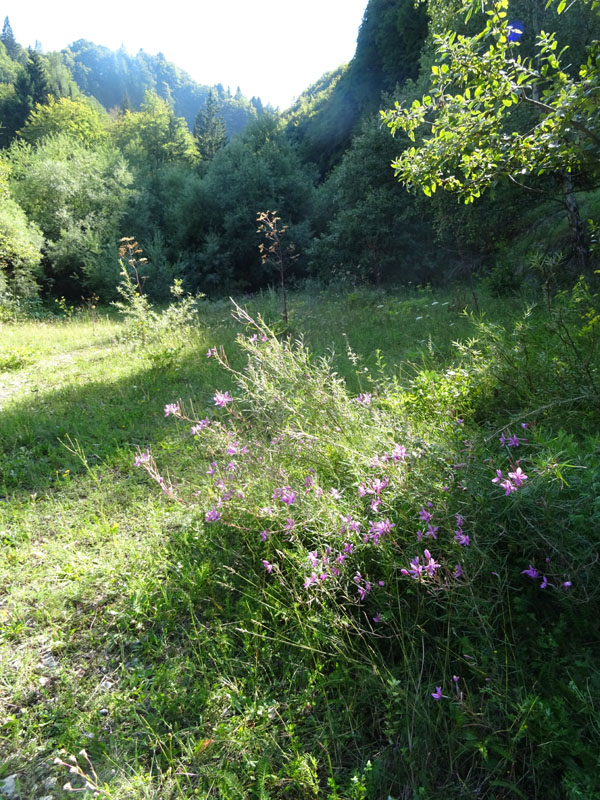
(118,79)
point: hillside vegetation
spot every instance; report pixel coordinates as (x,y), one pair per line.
(300,471)
(102,145)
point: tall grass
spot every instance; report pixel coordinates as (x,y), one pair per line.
(243,614)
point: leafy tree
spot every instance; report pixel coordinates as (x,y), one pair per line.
(321,120)
(258,105)
(326,116)
(20,247)
(60,78)
(260,169)
(167,214)
(372,230)
(9,69)
(388,47)
(77,195)
(76,118)
(108,75)
(32,86)
(154,135)
(209,129)
(126,103)
(492,113)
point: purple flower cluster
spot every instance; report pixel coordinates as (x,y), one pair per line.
(374,488)
(351,525)
(221,399)
(321,567)
(254,338)
(200,426)
(437,695)
(510,440)
(513,482)
(285,494)
(171,408)
(142,458)
(431,531)
(459,536)
(418,570)
(326,564)
(234,448)
(425,516)
(532,572)
(309,483)
(378,530)
(399,453)
(363,586)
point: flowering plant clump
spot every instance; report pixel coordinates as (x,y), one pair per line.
(295,411)
(373,540)
(310,419)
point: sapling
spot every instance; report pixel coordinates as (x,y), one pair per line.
(273,250)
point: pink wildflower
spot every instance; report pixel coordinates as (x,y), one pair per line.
(142,458)
(221,399)
(285,494)
(518,476)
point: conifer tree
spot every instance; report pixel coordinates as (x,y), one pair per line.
(209,128)
(7,38)
(258,105)
(126,103)
(33,86)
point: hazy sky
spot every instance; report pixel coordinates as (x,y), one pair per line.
(270,48)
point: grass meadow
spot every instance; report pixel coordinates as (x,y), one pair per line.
(369,571)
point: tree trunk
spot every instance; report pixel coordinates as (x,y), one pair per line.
(578,237)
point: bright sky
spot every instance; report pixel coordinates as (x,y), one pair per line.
(270,48)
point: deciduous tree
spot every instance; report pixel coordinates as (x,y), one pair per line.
(492,113)
(77,118)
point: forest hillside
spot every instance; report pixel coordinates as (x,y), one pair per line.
(299,452)
(99,145)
